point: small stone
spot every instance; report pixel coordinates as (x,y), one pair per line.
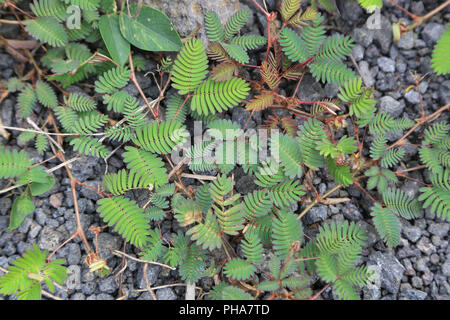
(91,193)
(358,52)
(406,41)
(25,226)
(383,35)
(412,96)
(367,74)
(446,268)
(432,33)
(412,233)
(317,214)
(166,294)
(417,7)
(444,92)
(9,249)
(4,222)
(50,239)
(386,64)
(363,36)
(108,243)
(351,212)
(426,246)
(108,285)
(413,294)
(5,205)
(34,230)
(417,282)
(434,258)
(386,82)
(241,115)
(78,296)
(152,275)
(391,106)
(73,280)
(88,288)
(56,200)
(74,255)
(104,296)
(245,185)
(389,270)
(421,264)
(439,229)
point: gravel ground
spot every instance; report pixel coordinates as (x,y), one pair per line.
(419,268)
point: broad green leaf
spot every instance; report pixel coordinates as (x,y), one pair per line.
(151,30)
(38,188)
(22,206)
(118,47)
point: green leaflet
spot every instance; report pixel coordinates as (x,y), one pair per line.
(22,206)
(151,30)
(118,47)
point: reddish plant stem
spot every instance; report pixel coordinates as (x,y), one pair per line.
(314,297)
(422,121)
(413,16)
(136,83)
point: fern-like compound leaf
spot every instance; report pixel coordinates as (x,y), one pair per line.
(236,52)
(288,8)
(335,48)
(286,193)
(176,108)
(249,42)
(213,27)
(212,96)
(160,138)
(358,97)
(127,219)
(123,181)
(392,157)
(331,71)
(191,269)
(236,22)
(387,224)
(287,231)
(260,102)
(112,80)
(89,146)
(26,101)
(233,293)
(190,67)
(340,173)
(290,154)
(252,247)
(41,144)
(239,269)
(293,46)
(79,102)
(145,166)
(45,94)
(401,203)
(13,164)
(257,204)
(207,234)
(438,200)
(335,236)
(27,273)
(439,61)
(47,29)
(311,133)
(49,8)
